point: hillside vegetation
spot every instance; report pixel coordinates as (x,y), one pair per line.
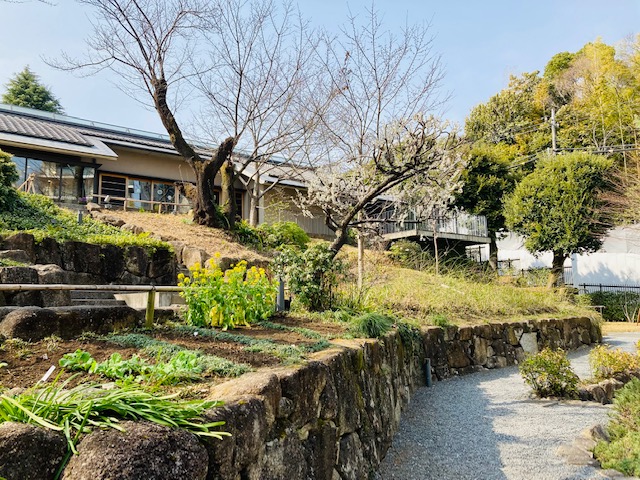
(459,296)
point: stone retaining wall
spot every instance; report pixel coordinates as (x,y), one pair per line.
(78,263)
(332,419)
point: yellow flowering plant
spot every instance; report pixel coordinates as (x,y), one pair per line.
(237,296)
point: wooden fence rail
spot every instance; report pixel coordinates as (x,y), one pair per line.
(151,289)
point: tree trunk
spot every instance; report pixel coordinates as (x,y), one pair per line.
(228,195)
(493,252)
(556,277)
(253,202)
(200,195)
(360,254)
(360,261)
(340,241)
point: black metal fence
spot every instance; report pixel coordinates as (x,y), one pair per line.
(599,287)
(533,276)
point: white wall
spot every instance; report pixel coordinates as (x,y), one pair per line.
(616,263)
(606,268)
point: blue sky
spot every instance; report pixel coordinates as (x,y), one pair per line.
(481,43)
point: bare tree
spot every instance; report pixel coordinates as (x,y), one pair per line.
(258,85)
(149,44)
(374,133)
(248,60)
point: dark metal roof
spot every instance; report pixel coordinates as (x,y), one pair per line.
(31,127)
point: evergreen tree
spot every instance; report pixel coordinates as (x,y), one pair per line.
(25,90)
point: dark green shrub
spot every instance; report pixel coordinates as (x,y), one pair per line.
(283,233)
(310,274)
(549,374)
(247,235)
(618,306)
(623,452)
(8,175)
(371,325)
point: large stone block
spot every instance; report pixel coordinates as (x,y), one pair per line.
(78,319)
(81,257)
(143,451)
(321,451)
(15,255)
(20,275)
(112,262)
(457,356)
(480,346)
(351,463)
(304,386)
(284,458)
(136,260)
(247,421)
(162,264)
(30,323)
(53,274)
(28,452)
(191,256)
(48,251)
(21,241)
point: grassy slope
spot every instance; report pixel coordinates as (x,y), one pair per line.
(421,295)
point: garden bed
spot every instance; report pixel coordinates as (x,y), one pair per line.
(284,340)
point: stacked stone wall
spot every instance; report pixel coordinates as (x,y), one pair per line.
(333,418)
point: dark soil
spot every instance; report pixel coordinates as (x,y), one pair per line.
(26,363)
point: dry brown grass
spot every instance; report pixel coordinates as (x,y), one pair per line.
(617,327)
(179,228)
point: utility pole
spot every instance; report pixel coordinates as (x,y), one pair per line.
(553,131)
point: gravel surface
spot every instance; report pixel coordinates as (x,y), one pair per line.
(486,426)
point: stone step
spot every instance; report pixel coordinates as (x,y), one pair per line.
(91,294)
(103,302)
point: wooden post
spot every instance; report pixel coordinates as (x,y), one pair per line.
(151,305)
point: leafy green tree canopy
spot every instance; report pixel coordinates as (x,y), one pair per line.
(8,175)
(25,90)
(558,206)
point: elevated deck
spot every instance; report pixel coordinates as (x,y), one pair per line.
(461,227)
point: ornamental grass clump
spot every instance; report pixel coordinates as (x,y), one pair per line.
(78,410)
(371,325)
(549,374)
(237,296)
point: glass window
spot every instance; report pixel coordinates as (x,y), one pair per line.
(21,166)
(139,190)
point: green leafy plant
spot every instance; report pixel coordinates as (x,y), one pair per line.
(311,274)
(606,362)
(623,452)
(549,374)
(440,320)
(280,234)
(80,360)
(371,325)
(237,296)
(179,367)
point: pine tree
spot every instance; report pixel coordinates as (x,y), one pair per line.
(25,90)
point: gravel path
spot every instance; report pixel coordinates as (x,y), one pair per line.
(485,426)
